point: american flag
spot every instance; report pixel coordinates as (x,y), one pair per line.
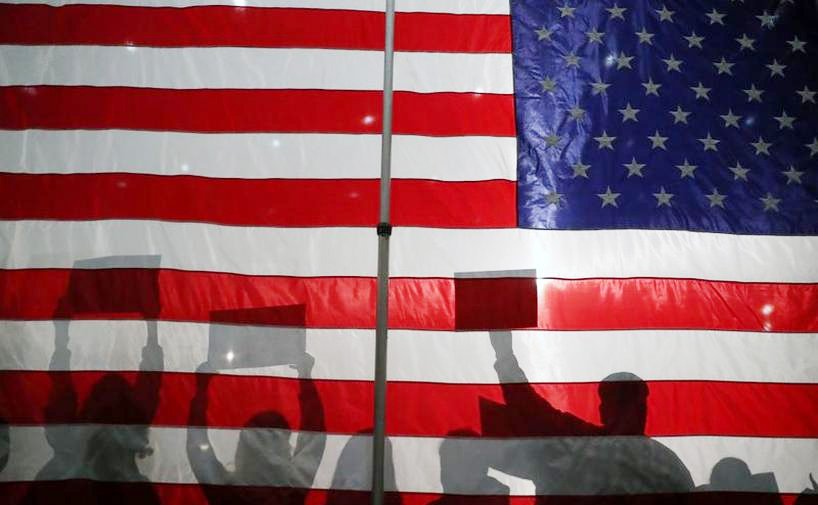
(604,285)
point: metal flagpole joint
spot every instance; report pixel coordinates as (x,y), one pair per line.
(384,231)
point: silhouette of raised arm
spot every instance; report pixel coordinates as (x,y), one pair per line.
(309,449)
(528,412)
(206,466)
(61,409)
(149,380)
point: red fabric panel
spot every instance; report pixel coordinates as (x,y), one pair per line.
(251,202)
(252,110)
(219,25)
(674,408)
(415,303)
(456,33)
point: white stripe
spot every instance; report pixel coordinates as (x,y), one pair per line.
(243,67)
(426,356)
(417,460)
(452,6)
(251,156)
(417,252)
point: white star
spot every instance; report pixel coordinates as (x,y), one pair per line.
(813,148)
(645,37)
(544,33)
(629,113)
(609,198)
(739,172)
(686,169)
(723,66)
(580,169)
(576,113)
(754,94)
(553,198)
(776,68)
(548,84)
(634,168)
(767,20)
(716,17)
(807,95)
(746,43)
(657,141)
(594,36)
(552,140)
(797,45)
(599,87)
(793,175)
(694,40)
(663,197)
(710,144)
(672,64)
(651,88)
(566,11)
(716,199)
(617,12)
(784,120)
(571,60)
(679,115)
(701,91)
(605,141)
(770,202)
(623,61)
(761,146)
(730,119)
(665,14)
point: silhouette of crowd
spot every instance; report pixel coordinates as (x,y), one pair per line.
(98,442)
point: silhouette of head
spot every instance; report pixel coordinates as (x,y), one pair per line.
(623,406)
(730,474)
(113,395)
(264,448)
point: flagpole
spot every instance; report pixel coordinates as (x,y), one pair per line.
(384,232)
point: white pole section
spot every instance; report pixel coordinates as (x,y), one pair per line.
(384,231)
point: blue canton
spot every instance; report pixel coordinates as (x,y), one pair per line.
(684,115)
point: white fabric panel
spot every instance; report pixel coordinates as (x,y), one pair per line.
(460,72)
(255,156)
(243,67)
(352,251)
(426,356)
(417,459)
(453,6)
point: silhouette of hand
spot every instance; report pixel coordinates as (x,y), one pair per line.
(304,367)
(204,373)
(501,342)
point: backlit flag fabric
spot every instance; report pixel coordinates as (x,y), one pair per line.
(604,286)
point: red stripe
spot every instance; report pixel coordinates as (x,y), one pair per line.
(250,27)
(674,408)
(252,110)
(415,303)
(276,202)
(62,492)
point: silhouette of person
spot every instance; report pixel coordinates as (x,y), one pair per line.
(464,469)
(102,455)
(615,458)
(263,458)
(810,495)
(734,476)
(354,472)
